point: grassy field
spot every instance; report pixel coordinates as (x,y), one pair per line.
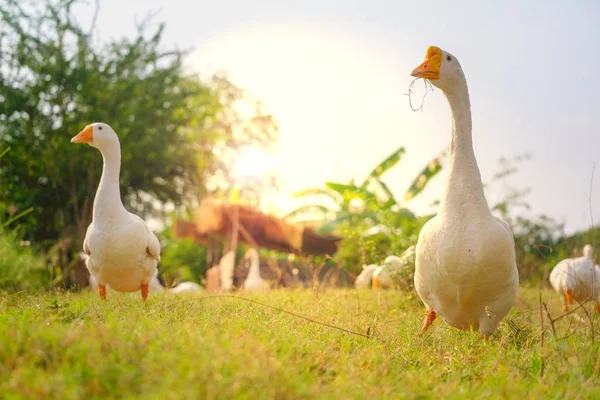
(68,345)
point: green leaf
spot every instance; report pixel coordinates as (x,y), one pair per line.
(391,200)
(350,190)
(5,151)
(308,209)
(314,192)
(16,217)
(431,170)
(385,165)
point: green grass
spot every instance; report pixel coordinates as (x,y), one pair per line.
(68,345)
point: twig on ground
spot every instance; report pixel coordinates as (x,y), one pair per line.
(267,306)
(550,319)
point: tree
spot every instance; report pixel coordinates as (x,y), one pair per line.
(54,80)
(240,124)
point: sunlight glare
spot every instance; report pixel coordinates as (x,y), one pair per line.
(253,164)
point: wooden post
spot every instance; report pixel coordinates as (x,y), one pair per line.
(235,223)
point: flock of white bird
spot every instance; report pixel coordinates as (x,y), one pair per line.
(464,261)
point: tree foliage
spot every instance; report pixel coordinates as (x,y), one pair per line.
(55,79)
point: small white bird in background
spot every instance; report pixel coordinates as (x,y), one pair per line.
(465,266)
(119,249)
(396,272)
(363,280)
(253,280)
(577,279)
(186,287)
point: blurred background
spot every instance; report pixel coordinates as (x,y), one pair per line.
(292,115)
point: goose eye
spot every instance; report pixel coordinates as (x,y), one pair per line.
(449,58)
(100,127)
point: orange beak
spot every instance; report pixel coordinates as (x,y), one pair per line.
(430,68)
(85,136)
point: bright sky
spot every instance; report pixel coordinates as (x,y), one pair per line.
(334,73)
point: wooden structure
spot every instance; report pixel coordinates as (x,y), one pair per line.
(215,220)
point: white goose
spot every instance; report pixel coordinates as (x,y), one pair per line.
(363,280)
(119,249)
(396,271)
(465,263)
(577,279)
(253,280)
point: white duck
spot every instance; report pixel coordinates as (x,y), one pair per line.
(577,279)
(465,264)
(119,249)
(253,280)
(396,271)
(186,287)
(363,280)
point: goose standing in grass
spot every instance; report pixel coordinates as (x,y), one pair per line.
(396,272)
(363,280)
(577,279)
(465,264)
(119,249)
(253,280)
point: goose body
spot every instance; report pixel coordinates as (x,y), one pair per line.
(465,258)
(363,280)
(253,281)
(119,249)
(577,279)
(396,271)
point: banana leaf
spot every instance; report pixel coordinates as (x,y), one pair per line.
(314,192)
(350,190)
(306,209)
(385,165)
(431,170)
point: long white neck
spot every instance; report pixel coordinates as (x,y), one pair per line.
(254,272)
(588,252)
(463,188)
(108,197)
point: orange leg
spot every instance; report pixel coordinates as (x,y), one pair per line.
(429,318)
(102,291)
(569,296)
(565,308)
(144,292)
(376,283)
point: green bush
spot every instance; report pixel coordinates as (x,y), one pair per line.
(20,267)
(182,260)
